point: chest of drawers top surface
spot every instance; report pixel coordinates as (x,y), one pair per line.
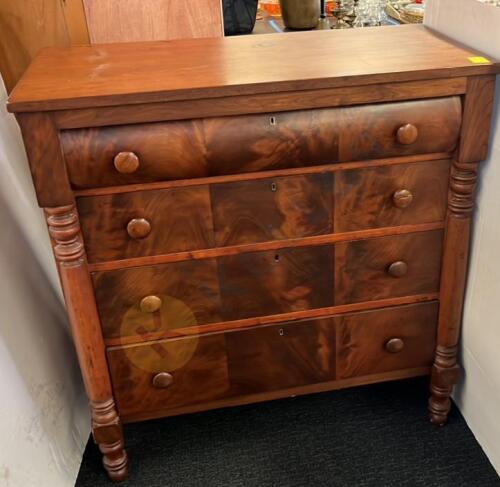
(114,74)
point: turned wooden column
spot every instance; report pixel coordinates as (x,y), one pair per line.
(56,197)
(472,149)
(85,325)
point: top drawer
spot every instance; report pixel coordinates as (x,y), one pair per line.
(108,156)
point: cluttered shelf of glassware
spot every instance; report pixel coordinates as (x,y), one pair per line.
(344,14)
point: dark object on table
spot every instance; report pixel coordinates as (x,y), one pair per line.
(323,22)
(300,14)
(239,16)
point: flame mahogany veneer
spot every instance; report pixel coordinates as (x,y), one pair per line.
(231,226)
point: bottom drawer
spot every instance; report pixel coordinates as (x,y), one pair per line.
(151,379)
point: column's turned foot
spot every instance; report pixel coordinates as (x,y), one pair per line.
(445,374)
(115,460)
(108,434)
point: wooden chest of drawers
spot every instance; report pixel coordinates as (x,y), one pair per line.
(234,226)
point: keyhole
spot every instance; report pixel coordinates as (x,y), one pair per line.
(272,121)
(282,332)
(274,187)
(276,258)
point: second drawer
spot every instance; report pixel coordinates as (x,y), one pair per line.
(154,222)
(152,299)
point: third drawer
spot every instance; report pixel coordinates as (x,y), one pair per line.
(161,298)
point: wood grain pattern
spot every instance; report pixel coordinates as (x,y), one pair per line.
(149,20)
(189,292)
(76,22)
(180,220)
(362,337)
(266,283)
(252,143)
(364,197)
(48,170)
(198,367)
(281,356)
(166,151)
(26,27)
(361,268)
(478,111)
(263,103)
(272,209)
(206,68)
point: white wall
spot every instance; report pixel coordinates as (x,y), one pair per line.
(44,422)
(478,394)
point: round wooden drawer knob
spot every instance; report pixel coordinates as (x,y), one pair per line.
(398,269)
(162,380)
(407,134)
(150,304)
(138,228)
(402,198)
(126,162)
(395,345)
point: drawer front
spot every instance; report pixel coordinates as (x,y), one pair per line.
(380,341)
(272,209)
(110,156)
(154,222)
(150,299)
(281,356)
(143,300)
(388,267)
(391,195)
(268,283)
(194,370)
(209,367)
(155,377)
(145,223)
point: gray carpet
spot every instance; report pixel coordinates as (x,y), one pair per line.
(376,435)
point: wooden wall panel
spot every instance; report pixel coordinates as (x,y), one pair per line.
(143,20)
(26,26)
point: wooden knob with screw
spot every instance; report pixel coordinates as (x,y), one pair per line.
(402,198)
(407,134)
(395,345)
(162,380)
(126,162)
(138,228)
(398,269)
(150,304)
